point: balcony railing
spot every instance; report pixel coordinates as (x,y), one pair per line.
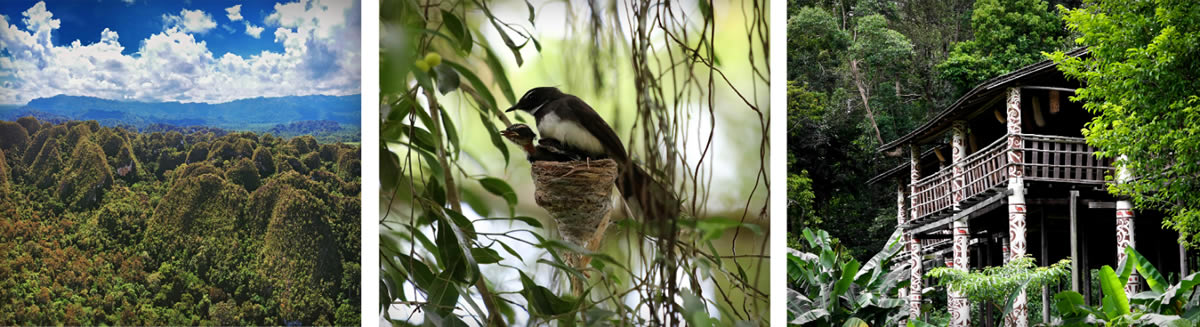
(1063,159)
(1046,158)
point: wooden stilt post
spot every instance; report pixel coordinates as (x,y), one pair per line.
(901,214)
(1016,200)
(1045,261)
(960,310)
(1125,237)
(915,287)
(1075,257)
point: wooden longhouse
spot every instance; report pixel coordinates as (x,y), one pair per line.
(1004,172)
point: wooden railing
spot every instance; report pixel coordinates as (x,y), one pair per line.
(1063,159)
(985,169)
(1046,158)
(932,193)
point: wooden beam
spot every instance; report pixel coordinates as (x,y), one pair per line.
(976,210)
(1052,88)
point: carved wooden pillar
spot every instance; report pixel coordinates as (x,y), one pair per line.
(960,310)
(900,219)
(914,244)
(1125,227)
(914,295)
(1016,200)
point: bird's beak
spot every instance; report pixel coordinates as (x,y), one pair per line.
(510,109)
(508,133)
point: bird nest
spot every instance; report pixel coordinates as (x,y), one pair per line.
(578,195)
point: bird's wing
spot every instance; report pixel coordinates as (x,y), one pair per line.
(598,127)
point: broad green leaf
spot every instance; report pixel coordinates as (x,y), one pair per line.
(1067,301)
(1153,278)
(500,187)
(1115,302)
(848,272)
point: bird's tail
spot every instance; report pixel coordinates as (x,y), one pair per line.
(647,196)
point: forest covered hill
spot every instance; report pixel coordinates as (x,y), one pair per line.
(255,114)
(104,225)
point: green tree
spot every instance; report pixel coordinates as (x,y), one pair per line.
(1143,87)
(814,44)
(1009,34)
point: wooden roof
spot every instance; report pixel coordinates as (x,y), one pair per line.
(969,101)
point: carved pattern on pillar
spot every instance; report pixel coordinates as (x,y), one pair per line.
(1125,230)
(958,152)
(914,295)
(1015,144)
(960,309)
(1016,201)
(1125,239)
(1016,229)
(914,174)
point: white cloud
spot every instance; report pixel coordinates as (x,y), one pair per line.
(253,31)
(320,56)
(193,21)
(128,2)
(234,13)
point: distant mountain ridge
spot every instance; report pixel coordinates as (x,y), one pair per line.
(237,114)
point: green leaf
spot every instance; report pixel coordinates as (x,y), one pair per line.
(542,300)
(1067,301)
(463,223)
(458,29)
(843,283)
(1115,302)
(516,50)
(447,78)
(451,131)
(484,92)
(485,256)
(500,76)
(853,321)
(500,187)
(511,251)
(494,134)
(476,202)
(713,228)
(528,220)
(1153,278)
(694,311)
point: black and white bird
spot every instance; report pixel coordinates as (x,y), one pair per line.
(579,129)
(539,150)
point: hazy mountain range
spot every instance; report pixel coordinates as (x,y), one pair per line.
(242,114)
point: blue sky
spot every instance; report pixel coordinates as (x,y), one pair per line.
(198,51)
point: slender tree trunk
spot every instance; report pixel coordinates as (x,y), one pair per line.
(863,92)
(489,301)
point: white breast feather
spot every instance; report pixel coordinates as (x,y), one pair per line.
(569,133)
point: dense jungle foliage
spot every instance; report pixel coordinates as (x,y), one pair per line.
(102,225)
